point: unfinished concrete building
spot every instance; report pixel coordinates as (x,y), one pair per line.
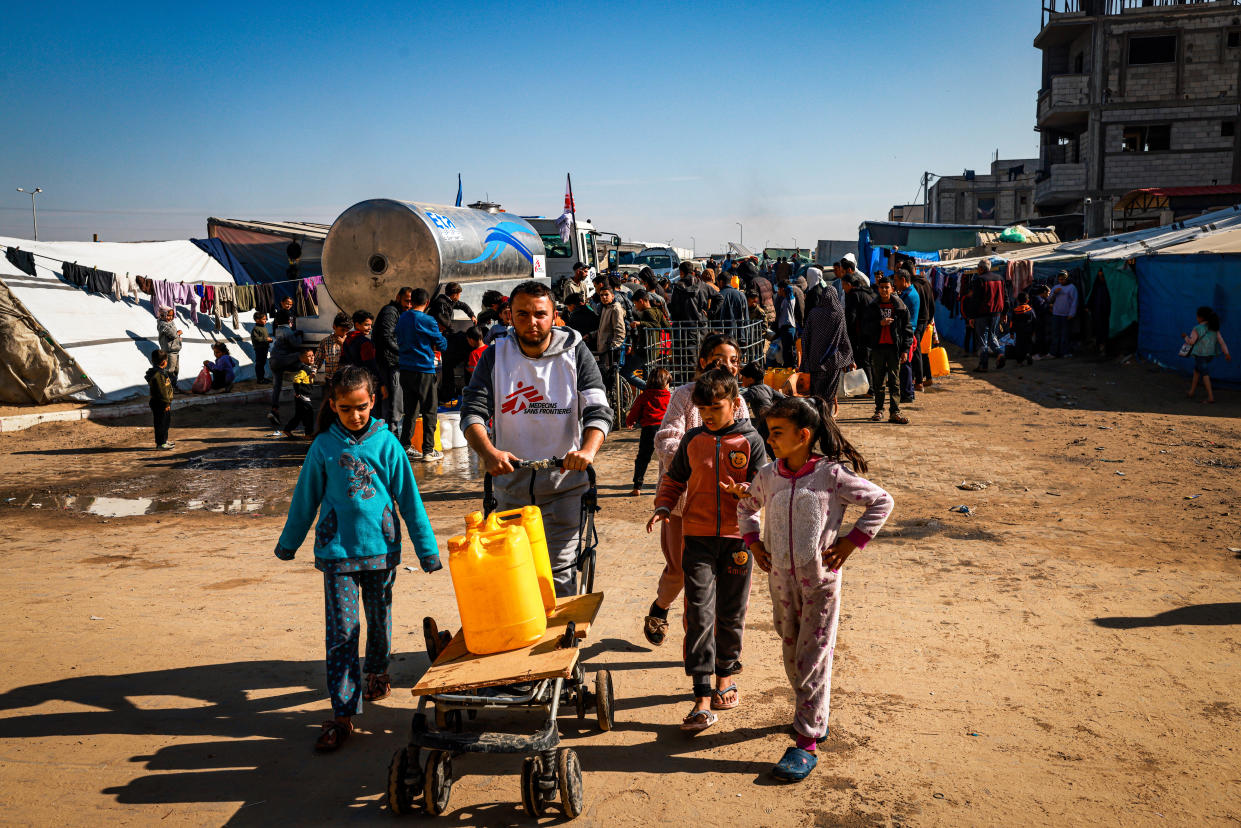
(1002,195)
(1135,94)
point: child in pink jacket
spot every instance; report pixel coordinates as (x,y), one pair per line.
(803,499)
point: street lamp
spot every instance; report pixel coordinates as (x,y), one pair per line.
(34,211)
(741,241)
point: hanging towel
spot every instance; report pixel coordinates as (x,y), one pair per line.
(100,281)
(23,260)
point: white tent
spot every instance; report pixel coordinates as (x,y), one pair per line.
(111,340)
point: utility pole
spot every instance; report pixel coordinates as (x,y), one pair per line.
(741,241)
(34,211)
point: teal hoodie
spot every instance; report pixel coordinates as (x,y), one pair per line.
(356,485)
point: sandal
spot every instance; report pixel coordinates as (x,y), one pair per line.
(378,686)
(655,629)
(698,721)
(898,419)
(333,736)
(795,765)
(717,698)
(877,418)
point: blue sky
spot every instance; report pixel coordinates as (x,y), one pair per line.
(676,120)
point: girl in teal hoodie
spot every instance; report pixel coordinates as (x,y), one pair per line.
(356,476)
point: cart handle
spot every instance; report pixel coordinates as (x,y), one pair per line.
(591,497)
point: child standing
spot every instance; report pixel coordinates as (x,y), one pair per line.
(720,453)
(303,412)
(648,412)
(474,337)
(170,342)
(716,351)
(1025,326)
(356,477)
(803,498)
(260,338)
(161,398)
(1205,343)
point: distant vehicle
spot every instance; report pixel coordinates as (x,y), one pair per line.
(663,260)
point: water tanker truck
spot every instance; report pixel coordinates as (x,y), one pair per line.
(378,246)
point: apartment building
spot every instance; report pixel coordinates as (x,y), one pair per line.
(1135,94)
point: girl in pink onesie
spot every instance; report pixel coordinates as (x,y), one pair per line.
(803,499)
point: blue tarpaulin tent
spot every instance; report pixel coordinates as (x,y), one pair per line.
(1170,289)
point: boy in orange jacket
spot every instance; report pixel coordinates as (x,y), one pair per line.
(720,453)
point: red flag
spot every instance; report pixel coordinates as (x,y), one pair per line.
(568,196)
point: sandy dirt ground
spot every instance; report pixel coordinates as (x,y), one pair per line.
(1067,654)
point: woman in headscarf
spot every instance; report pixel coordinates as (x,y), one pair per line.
(825,350)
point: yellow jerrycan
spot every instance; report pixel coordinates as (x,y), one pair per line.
(497,590)
(530,519)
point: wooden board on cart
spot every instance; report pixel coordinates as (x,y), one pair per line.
(457,669)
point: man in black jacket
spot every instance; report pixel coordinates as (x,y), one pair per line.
(858,297)
(387,354)
(443,308)
(889,332)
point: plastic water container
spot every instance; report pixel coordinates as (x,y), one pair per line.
(939,363)
(776,377)
(416,440)
(497,590)
(854,382)
(530,519)
(928,337)
(450,433)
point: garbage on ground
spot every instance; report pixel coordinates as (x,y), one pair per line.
(965,510)
(95,618)
(973,485)
(1120,474)
(1193,497)
(1235,549)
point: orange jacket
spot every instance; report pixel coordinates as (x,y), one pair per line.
(705,459)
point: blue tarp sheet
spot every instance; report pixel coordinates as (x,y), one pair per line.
(950,330)
(216,250)
(1171,289)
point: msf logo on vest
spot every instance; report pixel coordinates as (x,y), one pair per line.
(526,399)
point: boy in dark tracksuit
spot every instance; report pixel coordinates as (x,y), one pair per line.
(161,397)
(1025,324)
(303,412)
(889,332)
(721,452)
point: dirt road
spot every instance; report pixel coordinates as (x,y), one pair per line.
(1069,653)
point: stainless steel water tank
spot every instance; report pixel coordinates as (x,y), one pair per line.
(377,246)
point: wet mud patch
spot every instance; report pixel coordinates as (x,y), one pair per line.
(233,583)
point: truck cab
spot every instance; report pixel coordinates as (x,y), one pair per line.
(561,254)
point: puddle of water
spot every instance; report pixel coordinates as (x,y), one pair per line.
(117,507)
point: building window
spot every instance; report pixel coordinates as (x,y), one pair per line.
(1234,39)
(1155,138)
(986,209)
(1227,129)
(1147,50)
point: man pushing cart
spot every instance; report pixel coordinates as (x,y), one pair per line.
(540,391)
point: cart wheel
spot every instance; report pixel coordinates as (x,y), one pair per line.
(569,771)
(438,785)
(605,702)
(431,638)
(402,789)
(531,770)
(588,574)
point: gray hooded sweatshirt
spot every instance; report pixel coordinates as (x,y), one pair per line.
(539,407)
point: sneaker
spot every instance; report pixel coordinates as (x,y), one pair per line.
(432,456)
(165,446)
(1037,358)
(920,386)
(413,453)
(277,433)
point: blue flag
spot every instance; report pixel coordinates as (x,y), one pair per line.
(458,189)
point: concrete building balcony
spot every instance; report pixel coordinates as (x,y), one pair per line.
(1062,184)
(1065,102)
